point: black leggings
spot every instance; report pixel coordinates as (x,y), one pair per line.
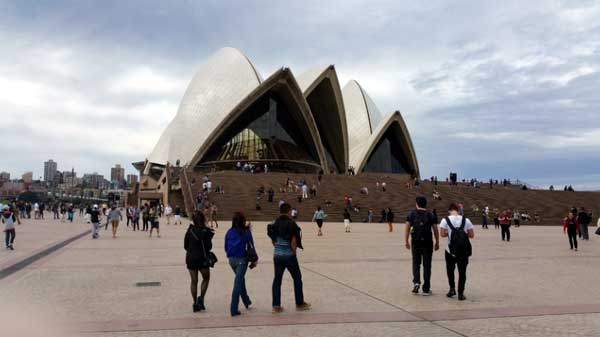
(505,232)
(194,284)
(572,233)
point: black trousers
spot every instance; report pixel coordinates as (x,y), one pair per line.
(422,255)
(451,263)
(572,233)
(9,236)
(145,224)
(281,263)
(505,232)
(585,234)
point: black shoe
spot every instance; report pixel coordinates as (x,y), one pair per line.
(237,313)
(11,247)
(200,303)
(461,297)
(451,293)
(247,305)
(195,308)
(416,288)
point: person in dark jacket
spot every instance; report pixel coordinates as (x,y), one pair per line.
(584,221)
(197,244)
(571,228)
(286,236)
(238,241)
(389,217)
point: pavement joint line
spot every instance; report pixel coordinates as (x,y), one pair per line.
(264,320)
(386,302)
(17,266)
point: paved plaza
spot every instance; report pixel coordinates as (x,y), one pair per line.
(358,283)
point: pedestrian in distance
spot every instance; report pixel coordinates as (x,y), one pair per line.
(9,220)
(571,228)
(319,217)
(504,226)
(199,258)
(286,237)
(153,219)
(584,221)
(240,250)
(421,229)
(389,217)
(95,219)
(114,216)
(459,230)
(347,220)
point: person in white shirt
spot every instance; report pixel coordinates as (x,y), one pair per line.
(304,191)
(459,257)
(168,213)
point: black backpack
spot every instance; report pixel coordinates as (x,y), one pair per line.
(421,224)
(460,245)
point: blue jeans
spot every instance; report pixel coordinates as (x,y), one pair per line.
(239,265)
(290,263)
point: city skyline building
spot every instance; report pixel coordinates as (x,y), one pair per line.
(50,169)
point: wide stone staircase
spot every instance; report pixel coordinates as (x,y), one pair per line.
(240,194)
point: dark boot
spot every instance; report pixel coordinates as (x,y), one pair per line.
(200,303)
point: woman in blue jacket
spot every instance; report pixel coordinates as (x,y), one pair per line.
(238,242)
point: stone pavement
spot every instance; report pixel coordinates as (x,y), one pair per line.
(359,284)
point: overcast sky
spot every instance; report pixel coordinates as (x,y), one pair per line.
(487,88)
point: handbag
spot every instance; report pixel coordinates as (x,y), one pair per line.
(210,258)
(251,254)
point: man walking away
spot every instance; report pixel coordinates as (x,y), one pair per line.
(420,226)
(9,220)
(95,220)
(571,228)
(584,222)
(458,229)
(347,220)
(286,238)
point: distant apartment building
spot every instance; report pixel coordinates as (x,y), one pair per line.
(50,170)
(117,174)
(132,179)
(4,176)
(27,177)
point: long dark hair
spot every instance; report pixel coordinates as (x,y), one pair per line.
(239,222)
(199,219)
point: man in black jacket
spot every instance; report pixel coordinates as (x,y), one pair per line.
(584,221)
(421,229)
(286,237)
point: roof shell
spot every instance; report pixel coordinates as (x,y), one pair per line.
(361,153)
(221,83)
(362,115)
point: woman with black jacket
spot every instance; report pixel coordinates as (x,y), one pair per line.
(197,244)
(389,217)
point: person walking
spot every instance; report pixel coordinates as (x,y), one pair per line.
(571,228)
(286,237)
(9,220)
(347,220)
(213,215)
(145,210)
(584,221)
(504,226)
(198,257)
(135,218)
(114,216)
(153,219)
(95,221)
(168,213)
(239,245)
(177,215)
(421,229)
(318,217)
(70,212)
(459,230)
(484,220)
(389,217)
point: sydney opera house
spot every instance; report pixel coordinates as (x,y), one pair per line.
(304,123)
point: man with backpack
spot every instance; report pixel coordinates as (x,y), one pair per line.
(458,229)
(421,228)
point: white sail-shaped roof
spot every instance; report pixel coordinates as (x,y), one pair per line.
(362,115)
(222,82)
